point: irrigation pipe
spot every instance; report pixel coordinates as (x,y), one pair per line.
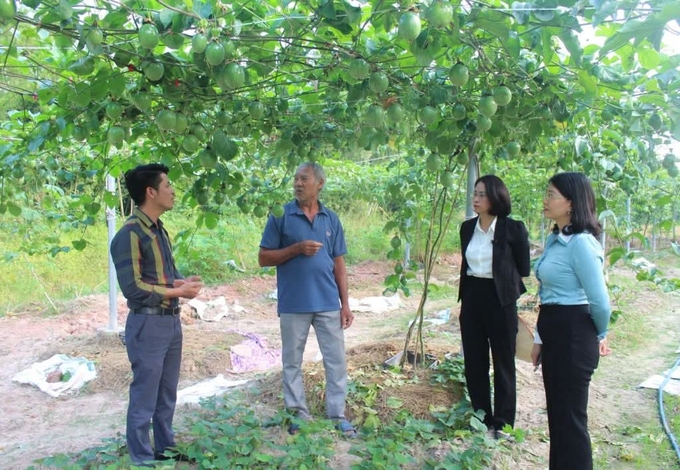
(662,413)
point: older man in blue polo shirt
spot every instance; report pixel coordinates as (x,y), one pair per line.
(307,246)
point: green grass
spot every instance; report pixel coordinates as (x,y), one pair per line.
(672,410)
(213,254)
(46,280)
(629,327)
(221,255)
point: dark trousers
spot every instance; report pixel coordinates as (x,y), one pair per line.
(570,355)
(154,347)
(483,323)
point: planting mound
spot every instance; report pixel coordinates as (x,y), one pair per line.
(374,389)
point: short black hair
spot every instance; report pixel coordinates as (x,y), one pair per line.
(142,177)
(497,194)
(576,188)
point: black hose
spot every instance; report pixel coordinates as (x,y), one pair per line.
(662,413)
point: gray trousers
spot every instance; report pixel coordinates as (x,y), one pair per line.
(154,347)
(331,338)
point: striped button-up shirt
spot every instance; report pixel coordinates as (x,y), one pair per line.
(145,267)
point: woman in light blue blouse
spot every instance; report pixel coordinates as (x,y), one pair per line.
(573,319)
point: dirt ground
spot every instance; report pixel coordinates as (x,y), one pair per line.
(34,425)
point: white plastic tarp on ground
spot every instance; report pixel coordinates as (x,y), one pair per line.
(378,304)
(74,372)
(655,381)
(206,389)
(375,304)
(672,387)
(216,309)
(439,318)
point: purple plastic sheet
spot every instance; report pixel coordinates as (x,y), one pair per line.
(253,354)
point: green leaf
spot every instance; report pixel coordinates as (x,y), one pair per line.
(79,244)
(571,42)
(669,12)
(35,143)
(110,199)
(327,10)
(676,248)
(394,403)
(614,42)
(639,237)
(92,208)
(589,85)
(113,20)
(655,99)
(260,457)
(493,23)
(633,29)
(544,14)
(166,16)
(548,50)
(649,58)
(211,220)
(664,200)
(117,85)
(477,425)
(612,135)
(604,9)
(521,11)
(203,9)
(14,209)
(353,12)
(608,213)
(616,254)
(511,44)
(392,280)
(391,225)
(664,225)
(83,96)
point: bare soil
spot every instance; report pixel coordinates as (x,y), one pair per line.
(34,425)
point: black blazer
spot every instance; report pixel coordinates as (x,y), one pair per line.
(510,261)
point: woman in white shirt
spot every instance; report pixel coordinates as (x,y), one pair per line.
(495,257)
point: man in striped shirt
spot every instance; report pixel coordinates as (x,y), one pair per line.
(152,285)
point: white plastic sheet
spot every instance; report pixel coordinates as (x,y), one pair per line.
(206,389)
(77,370)
(215,310)
(375,304)
(655,381)
(439,318)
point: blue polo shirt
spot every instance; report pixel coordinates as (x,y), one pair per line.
(306,284)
